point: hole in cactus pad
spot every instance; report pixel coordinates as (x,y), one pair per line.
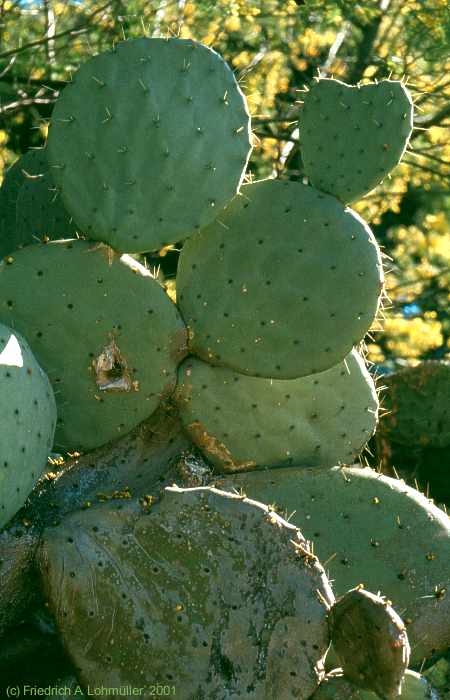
(111,370)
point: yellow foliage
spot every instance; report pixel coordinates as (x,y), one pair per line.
(232,24)
(411,338)
(37,73)
(375,353)
(189,9)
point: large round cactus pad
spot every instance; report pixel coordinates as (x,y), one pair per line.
(241,422)
(149,141)
(371,529)
(283,284)
(102,328)
(418,404)
(353,136)
(209,593)
(28,418)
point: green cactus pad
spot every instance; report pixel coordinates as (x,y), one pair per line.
(103,329)
(336,687)
(8,197)
(149,142)
(28,418)
(282,285)
(371,529)
(371,642)
(418,403)
(31,206)
(208,592)
(241,422)
(353,136)
(40,214)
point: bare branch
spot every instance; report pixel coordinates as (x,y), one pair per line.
(433,119)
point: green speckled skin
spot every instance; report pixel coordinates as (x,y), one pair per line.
(374,530)
(282,285)
(353,136)
(418,401)
(149,142)
(72,301)
(241,422)
(28,419)
(208,592)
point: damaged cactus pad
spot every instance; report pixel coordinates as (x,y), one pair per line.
(241,422)
(208,591)
(103,329)
(373,530)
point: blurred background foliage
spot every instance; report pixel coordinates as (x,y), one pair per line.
(275,49)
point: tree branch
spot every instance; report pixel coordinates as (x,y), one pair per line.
(433,119)
(79,28)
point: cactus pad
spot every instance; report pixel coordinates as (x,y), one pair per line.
(418,404)
(31,206)
(28,415)
(40,214)
(371,642)
(282,285)
(336,687)
(353,136)
(103,329)
(241,422)
(149,141)
(139,598)
(374,530)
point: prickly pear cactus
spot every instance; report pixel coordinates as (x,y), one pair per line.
(208,593)
(353,136)
(241,422)
(9,191)
(40,214)
(368,528)
(336,687)
(310,294)
(31,208)
(102,328)
(371,642)
(28,416)
(149,142)
(418,405)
